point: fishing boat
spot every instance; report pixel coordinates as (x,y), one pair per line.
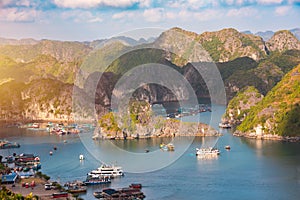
(110,171)
(207,151)
(167,147)
(76,189)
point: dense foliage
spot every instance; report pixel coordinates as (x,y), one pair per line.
(278,112)
(8,195)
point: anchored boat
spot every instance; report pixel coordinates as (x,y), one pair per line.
(224,125)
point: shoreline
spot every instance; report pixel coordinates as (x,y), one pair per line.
(154,136)
(16,123)
(291,139)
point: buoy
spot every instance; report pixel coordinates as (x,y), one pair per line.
(65,141)
(55,148)
(81,157)
(50,153)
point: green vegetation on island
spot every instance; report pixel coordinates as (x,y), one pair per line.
(278,112)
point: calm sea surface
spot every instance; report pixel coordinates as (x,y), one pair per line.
(250,170)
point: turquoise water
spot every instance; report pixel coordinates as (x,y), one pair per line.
(250,170)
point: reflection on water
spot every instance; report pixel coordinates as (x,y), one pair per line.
(272,148)
(207,157)
(140,145)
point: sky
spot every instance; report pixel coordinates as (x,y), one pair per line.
(86,20)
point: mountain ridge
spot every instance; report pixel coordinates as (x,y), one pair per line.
(243,60)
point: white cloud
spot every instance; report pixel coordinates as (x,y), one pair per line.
(96,3)
(4,3)
(184,14)
(171,15)
(17,3)
(268,2)
(242,12)
(95,19)
(293,1)
(18,15)
(208,14)
(25,3)
(175,4)
(79,16)
(197,4)
(282,10)
(125,14)
(145,3)
(154,14)
(187,15)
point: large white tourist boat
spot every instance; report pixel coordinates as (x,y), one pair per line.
(110,171)
(207,151)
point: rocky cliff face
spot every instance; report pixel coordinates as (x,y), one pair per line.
(239,107)
(45,99)
(282,41)
(219,46)
(229,44)
(183,45)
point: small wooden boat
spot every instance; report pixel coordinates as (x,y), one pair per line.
(170,147)
(227,147)
(76,189)
(59,195)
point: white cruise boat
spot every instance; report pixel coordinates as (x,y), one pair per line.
(110,171)
(207,151)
